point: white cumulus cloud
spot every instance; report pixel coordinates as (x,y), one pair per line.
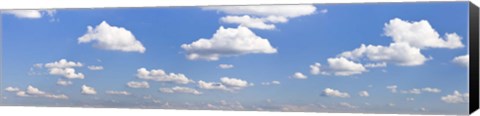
(420,34)
(299,75)
(178,89)
(398,53)
(462,60)
(315,68)
(110,37)
(431,90)
(235,83)
(256,23)
(69,73)
(363,94)
(456,97)
(212,85)
(412,91)
(88,90)
(419,91)
(118,92)
(63,63)
(32,91)
(267,10)
(228,42)
(65,69)
(22,94)
(263,17)
(343,67)
(226,84)
(409,38)
(376,65)
(334,93)
(162,76)
(12,89)
(135,84)
(30,14)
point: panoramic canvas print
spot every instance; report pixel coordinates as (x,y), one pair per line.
(406,58)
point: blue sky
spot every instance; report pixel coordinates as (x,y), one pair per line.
(427,73)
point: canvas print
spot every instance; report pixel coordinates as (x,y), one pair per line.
(404,58)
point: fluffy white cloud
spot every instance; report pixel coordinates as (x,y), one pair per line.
(226,84)
(88,90)
(343,67)
(178,89)
(456,97)
(376,65)
(162,76)
(271,83)
(412,91)
(363,94)
(134,84)
(334,93)
(35,92)
(290,11)
(315,68)
(226,66)
(399,53)
(235,83)
(409,38)
(228,42)
(212,85)
(64,82)
(61,96)
(392,88)
(12,89)
(256,23)
(299,75)
(263,17)
(420,34)
(118,92)
(30,14)
(63,63)
(65,69)
(419,91)
(69,73)
(112,38)
(22,94)
(462,60)
(95,67)
(431,90)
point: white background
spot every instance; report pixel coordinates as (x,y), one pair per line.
(47,4)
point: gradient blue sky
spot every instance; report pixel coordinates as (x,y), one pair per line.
(300,42)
